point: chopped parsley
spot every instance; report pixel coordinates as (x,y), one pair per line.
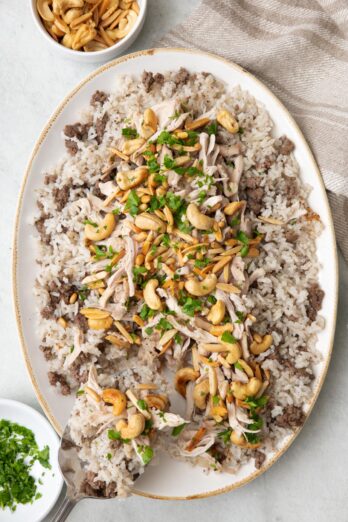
(202,196)
(109,456)
(257,403)
(239,366)
(146,453)
(215,399)
(89,222)
(242,237)
(146,312)
(202,263)
(189,305)
(132,205)
(178,429)
(241,317)
(163,325)
(83,293)
(235,221)
(129,132)
(18,454)
(116,435)
(138,276)
(211,299)
(149,330)
(212,128)
(225,435)
(227,337)
(142,404)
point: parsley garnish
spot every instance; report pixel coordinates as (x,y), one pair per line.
(178,429)
(215,399)
(89,222)
(116,435)
(129,132)
(163,325)
(241,317)
(133,202)
(142,404)
(212,128)
(146,454)
(227,337)
(225,435)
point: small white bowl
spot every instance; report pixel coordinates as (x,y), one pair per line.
(97,56)
(52,481)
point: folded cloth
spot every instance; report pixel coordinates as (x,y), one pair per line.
(299,49)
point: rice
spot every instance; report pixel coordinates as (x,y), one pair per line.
(278,293)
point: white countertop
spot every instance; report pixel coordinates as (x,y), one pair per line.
(309,483)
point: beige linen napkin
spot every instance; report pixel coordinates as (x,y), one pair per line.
(299,49)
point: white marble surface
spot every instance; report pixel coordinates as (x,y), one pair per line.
(310,482)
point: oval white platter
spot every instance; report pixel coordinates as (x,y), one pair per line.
(160,481)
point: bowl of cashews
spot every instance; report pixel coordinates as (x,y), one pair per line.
(89,30)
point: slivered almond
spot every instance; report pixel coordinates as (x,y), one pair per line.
(119,153)
(220,264)
(258,372)
(167,336)
(184,236)
(124,332)
(248,370)
(165,347)
(232,251)
(223,361)
(95,285)
(92,393)
(138,320)
(94,313)
(197,124)
(270,220)
(226,273)
(205,360)
(116,341)
(198,436)
(147,386)
(231,242)
(110,198)
(188,249)
(228,288)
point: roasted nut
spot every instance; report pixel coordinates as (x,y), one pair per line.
(101,231)
(131,146)
(182,377)
(84,34)
(217,312)
(117,34)
(233,207)
(94,313)
(146,221)
(257,348)
(100,324)
(92,393)
(151,298)
(242,391)
(133,428)
(218,411)
(201,288)
(196,124)
(226,119)
(197,219)
(44,10)
(235,352)
(157,401)
(200,394)
(220,329)
(149,125)
(129,179)
(116,398)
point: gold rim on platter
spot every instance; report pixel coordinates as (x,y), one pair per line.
(24,347)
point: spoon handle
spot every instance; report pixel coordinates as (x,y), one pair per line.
(64,510)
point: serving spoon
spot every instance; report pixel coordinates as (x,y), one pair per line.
(74,475)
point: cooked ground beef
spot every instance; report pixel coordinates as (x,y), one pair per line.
(285,146)
(259,457)
(81,321)
(48,311)
(71,147)
(291,236)
(40,227)
(253,182)
(315,299)
(291,418)
(55,378)
(61,196)
(182,76)
(100,125)
(64,291)
(149,79)
(67,444)
(47,351)
(254,198)
(291,187)
(78,130)
(97,488)
(99,97)
(75,368)
(50,178)
(304,373)
(267,163)
(96,190)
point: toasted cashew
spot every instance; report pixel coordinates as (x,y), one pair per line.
(219,411)
(233,207)
(242,391)
(133,428)
(226,119)
(103,230)
(131,178)
(200,394)
(157,401)
(116,398)
(217,312)
(132,146)
(235,352)
(150,222)
(149,125)
(100,324)
(44,10)
(197,219)
(151,298)
(221,328)
(257,348)
(201,288)
(182,377)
